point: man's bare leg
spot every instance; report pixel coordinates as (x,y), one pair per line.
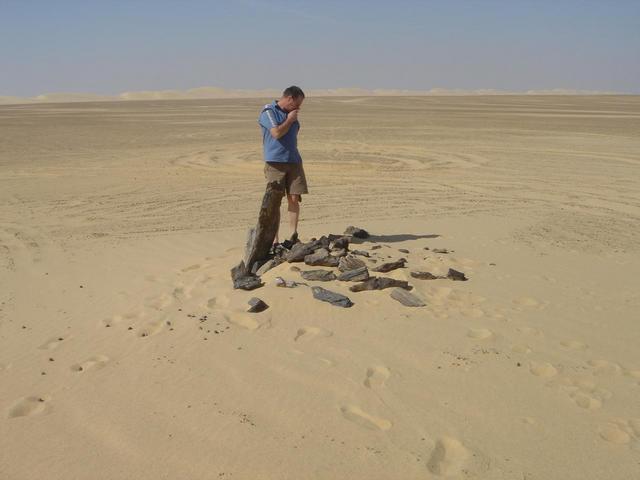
(294,212)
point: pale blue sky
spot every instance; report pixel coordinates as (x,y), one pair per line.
(113,46)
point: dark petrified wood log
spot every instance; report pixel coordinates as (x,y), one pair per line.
(318,275)
(355,275)
(260,239)
(333,298)
(387,267)
(350,263)
(406,298)
(380,283)
(424,275)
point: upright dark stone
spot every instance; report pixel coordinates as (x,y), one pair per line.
(341,242)
(333,298)
(260,239)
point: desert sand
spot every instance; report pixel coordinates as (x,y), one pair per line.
(125,353)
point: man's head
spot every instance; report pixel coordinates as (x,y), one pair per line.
(291,99)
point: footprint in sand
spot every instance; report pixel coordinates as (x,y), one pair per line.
(526,302)
(190,267)
(30,406)
(574,344)
(52,343)
(604,367)
(117,319)
(160,302)
(250,321)
(521,349)
(542,369)
(531,331)
(97,361)
(448,458)
(621,431)
(211,303)
(376,377)
(151,328)
(479,333)
(306,334)
(362,418)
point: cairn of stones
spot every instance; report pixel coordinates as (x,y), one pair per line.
(330,251)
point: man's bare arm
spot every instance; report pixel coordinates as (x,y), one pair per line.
(283,128)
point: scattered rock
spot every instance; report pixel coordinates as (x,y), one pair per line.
(440,250)
(338,252)
(318,275)
(356,232)
(362,253)
(387,267)
(333,298)
(350,262)
(256,305)
(265,267)
(355,275)
(403,250)
(406,298)
(426,248)
(380,283)
(342,242)
(456,275)
(376,247)
(281,282)
(424,275)
(317,258)
(293,268)
(301,250)
(248,282)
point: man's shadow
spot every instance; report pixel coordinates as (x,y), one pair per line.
(403,237)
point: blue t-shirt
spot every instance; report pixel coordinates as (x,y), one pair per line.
(285,148)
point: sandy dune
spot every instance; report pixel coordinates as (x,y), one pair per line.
(125,353)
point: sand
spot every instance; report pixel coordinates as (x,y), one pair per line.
(126,354)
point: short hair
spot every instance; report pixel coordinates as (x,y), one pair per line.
(293,91)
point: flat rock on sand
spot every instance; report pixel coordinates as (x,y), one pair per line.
(350,263)
(355,275)
(318,275)
(387,267)
(406,298)
(380,283)
(333,298)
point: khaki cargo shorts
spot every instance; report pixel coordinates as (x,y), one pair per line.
(291,173)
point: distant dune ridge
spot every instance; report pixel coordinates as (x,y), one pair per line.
(217,92)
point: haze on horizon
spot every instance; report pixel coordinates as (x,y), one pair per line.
(112,47)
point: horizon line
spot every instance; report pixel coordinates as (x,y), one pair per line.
(203,93)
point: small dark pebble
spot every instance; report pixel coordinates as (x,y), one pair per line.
(60,338)
(492,264)
(43,373)
(403,250)
(51,359)
(107,325)
(23,326)
(81,286)
(376,247)
(426,248)
(519,364)
(41,399)
(130,328)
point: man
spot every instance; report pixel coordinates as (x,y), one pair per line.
(280,126)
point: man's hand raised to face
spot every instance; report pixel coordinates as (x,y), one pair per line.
(292,116)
